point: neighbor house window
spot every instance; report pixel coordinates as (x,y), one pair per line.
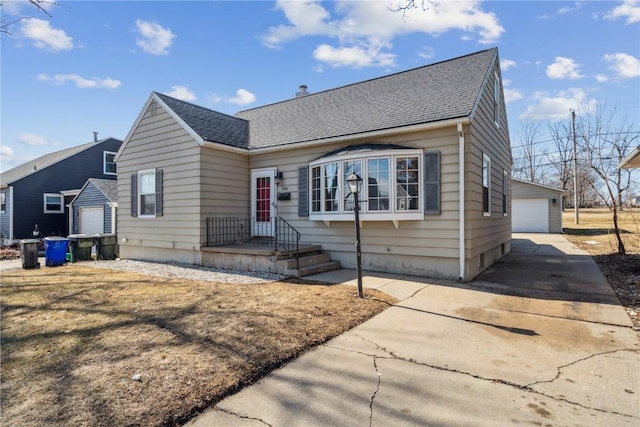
(505,190)
(146,193)
(393,185)
(53,203)
(3,203)
(109,163)
(486,185)
(496,98)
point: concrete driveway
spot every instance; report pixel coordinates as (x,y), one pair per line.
(538,339)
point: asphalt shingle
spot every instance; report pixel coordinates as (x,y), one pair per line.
(209,124)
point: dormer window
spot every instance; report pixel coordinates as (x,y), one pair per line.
(109,163)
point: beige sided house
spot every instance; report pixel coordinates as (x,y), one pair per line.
(250,191)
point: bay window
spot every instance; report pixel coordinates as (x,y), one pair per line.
(393,189)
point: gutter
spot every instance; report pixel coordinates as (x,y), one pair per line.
(461,231)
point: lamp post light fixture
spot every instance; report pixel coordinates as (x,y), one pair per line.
(355,183)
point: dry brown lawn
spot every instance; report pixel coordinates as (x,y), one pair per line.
(74,337)
(595,234)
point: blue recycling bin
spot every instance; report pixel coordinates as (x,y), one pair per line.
(55,251)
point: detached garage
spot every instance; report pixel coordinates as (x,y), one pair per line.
(94,208)
(535,208)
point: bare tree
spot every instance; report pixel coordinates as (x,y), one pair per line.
(529,157)
(40,5)
(605,141)
(561,156)
(410,5)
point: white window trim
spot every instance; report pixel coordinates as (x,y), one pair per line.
(3,202)
(104,162)
(139,195)
(365,214)
(488,160)
(53,195)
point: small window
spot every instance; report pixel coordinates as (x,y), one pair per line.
(486,185)
(109,163)
(3,203)
(53,203)
(147,193)
(505,190)
(496,99)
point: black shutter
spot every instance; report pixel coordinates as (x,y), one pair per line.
(134,194)
(303,191)
(432,183)
(159,206)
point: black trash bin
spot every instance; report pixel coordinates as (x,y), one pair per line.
(80,246)
(106,245)
(29,249)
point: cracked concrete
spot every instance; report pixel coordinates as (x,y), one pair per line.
(514,347)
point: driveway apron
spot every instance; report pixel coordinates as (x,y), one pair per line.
(537,339)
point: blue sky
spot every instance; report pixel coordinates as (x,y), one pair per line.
(91,65)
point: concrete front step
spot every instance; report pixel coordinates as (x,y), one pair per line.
(317,268)
(304,261)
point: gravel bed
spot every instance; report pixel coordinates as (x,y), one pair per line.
(187,271)
(172,270)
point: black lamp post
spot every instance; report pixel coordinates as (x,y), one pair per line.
(355,183)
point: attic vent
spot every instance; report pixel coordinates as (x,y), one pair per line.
(302,91)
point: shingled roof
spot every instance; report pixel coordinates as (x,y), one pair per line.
(441,91)
(32,166)
(436,92)
(210,125)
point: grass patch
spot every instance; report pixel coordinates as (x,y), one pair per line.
(73,337)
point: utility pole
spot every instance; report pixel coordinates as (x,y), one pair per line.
(575,168)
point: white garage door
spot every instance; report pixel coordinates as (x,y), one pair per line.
(91,220)
(530,215)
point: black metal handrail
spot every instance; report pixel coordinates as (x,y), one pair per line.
(275,231)
(287,238)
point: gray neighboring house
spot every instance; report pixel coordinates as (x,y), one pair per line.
(431,144)
(536,208)
(94,209)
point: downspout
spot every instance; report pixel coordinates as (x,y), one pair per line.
(461,232)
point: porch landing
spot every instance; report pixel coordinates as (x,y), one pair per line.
(256,256)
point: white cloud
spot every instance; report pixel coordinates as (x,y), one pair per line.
(567,9)
(629,9)
(601,78)
(182,92)
(511,95)
(154,39)
(364,31)
(555,107)
(243,97)
(505,64)
(5,151)
(624,65)
(44,37)
(352,56)
(426,52)
(32,139)
(81,82)
(17,7)
(564,68)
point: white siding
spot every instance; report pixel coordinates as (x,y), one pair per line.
(487,238)
(159,142)
(423,247)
